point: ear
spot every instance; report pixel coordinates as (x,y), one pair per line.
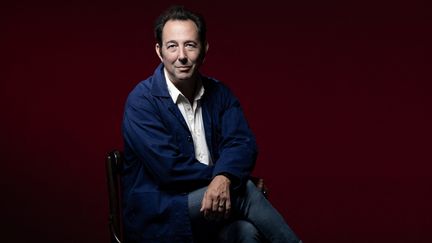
(205,51)
(206,47)
(159,51)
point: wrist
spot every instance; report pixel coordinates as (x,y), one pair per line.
(227,176)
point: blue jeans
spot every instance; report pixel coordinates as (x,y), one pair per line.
(253,219)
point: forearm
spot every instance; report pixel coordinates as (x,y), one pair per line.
(167,162)
(237,163)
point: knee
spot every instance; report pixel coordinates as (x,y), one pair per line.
(253,192)
(251,187)
(245,227)
(240,231)
(250,184)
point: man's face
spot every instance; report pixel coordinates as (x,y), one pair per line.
(181,50)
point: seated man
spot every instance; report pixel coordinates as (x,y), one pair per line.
(189,151)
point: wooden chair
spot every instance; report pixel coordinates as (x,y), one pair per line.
(114,161)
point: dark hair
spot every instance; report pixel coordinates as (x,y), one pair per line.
(180,13)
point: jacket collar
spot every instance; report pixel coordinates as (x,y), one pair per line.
(159,87)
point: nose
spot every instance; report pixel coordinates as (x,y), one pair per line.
(182,56)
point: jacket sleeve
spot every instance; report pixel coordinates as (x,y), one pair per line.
(155,145)
(237,148)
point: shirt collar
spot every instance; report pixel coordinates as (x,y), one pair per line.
(175,93)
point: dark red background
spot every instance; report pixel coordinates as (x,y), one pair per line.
(338,94)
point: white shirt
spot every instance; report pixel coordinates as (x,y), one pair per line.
(193,117)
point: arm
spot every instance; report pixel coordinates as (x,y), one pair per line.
(155,144)
(238,153)
(237,148)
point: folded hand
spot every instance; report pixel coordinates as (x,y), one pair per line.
(216,203)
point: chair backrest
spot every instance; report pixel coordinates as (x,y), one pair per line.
(114,161)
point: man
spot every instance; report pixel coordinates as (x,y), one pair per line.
(189,151)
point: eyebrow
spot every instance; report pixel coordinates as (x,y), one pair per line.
(176,42)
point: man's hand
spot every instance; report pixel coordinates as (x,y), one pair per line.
(216,203)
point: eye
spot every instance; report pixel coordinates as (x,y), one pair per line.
(170,46)
(191,45)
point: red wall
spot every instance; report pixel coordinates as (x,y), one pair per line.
(338,94)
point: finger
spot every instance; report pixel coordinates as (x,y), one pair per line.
(221,203)
(221,208)
(206,206)
(221,212)
(203,203)
(215,205)
(227,208)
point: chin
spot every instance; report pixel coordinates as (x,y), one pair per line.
(184,77)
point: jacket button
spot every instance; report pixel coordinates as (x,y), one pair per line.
(189,138)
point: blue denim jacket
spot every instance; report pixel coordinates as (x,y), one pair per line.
(161,168)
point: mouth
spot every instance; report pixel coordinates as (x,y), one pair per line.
(184,68)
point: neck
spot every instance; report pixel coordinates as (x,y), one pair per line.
(188,89)
(186,86)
